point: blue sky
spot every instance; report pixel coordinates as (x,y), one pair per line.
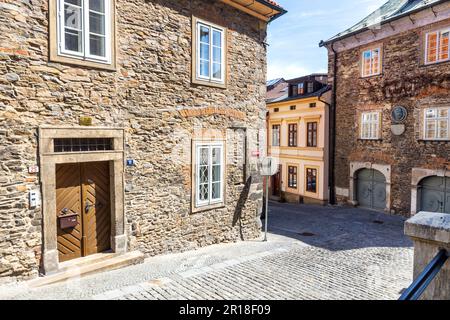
(294,38)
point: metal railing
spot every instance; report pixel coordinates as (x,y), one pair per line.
(415,291)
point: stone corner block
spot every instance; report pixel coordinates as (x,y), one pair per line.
(430,226)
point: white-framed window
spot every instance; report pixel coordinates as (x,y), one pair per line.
(370,125)
(437,124)
(210,53)
(371,62)
(84,29)
(437,46)
(209,182)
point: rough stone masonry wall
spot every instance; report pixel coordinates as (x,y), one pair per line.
(404,82)
(152,82)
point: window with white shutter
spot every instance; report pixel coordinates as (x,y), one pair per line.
(370,125)
(84,29)
(209,177)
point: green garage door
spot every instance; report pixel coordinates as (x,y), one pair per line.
(435,194)
(371,189)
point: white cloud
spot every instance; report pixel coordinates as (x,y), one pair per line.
(288,71)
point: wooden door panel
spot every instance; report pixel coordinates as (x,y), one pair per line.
(97,219)
(68,196)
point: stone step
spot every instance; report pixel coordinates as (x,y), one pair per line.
(89,265)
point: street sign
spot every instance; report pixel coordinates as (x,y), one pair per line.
(268,166)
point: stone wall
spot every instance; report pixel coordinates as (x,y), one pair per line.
(405,82)
(148,95)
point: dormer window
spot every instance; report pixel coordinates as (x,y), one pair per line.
(310,87)
(301,88)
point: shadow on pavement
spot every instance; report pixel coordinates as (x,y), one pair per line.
(337,228)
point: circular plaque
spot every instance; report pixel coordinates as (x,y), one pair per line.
(399,114)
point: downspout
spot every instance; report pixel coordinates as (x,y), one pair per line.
(329,167)
(332,156)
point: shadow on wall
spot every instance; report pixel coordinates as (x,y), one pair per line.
(337,228)
(237,217)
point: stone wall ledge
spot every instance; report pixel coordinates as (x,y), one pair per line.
(430,226)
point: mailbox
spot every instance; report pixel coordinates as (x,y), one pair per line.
(68,221)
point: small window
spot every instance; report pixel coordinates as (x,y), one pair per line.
(301,89)
(276,135)
(292,135)
(209,180)
(276,110)
(84,29)
(312,105)
(437,46)
(370,125)
(210,53)
(371,62)
(292,177)
(437,124)
(312,134)
(310,87)
(292,108)
(82,144)
(311,180)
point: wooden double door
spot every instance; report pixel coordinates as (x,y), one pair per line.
(83,193)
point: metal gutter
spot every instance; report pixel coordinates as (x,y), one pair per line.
(406,14)
(273,7)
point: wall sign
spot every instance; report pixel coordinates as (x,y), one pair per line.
(130,162)
(85,121)
(33,169)
(399,114)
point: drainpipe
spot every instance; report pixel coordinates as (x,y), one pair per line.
(331,175)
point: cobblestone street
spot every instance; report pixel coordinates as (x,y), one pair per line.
(312,253)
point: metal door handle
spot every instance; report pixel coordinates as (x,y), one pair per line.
(88,207)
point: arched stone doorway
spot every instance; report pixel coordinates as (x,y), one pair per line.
(371,189)
(370,183)
(434,194)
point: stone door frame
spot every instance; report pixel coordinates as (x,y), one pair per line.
(417,175)
(47,162)
(385,169)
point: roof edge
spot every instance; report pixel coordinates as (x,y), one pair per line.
(400,16)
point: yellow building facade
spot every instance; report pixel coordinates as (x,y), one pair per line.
(298,137)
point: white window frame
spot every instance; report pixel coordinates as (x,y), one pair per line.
(211,28)
(438,43)
(437,118)
(210,146)
(370,122)
(363,64)
(84,55)
(278,140)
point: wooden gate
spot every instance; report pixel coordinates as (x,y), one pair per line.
(83,193)
(276,182)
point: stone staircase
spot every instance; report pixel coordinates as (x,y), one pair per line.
(96,263)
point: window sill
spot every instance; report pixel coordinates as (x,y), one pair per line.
(374,139)
(208,207)
(209,83)
(371,76)
(82,63)
(424,65)
(433,141)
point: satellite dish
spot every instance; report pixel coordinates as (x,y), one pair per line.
(268,166)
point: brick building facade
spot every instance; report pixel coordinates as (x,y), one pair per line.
(163,119)
(392,101)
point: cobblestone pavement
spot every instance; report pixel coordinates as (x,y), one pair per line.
(312,253)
